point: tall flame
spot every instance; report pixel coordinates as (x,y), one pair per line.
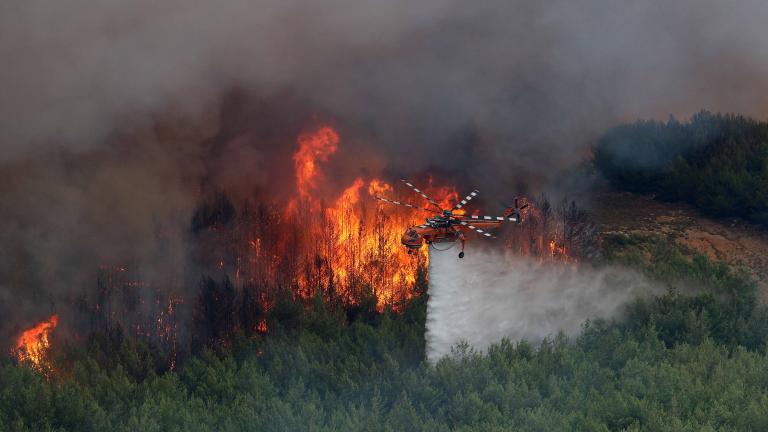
(33,346)
(343,247)
(350,243)
(314,147)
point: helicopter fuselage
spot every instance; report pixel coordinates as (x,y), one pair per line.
(446,226)
(415,237)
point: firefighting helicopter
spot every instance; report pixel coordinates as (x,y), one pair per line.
(447,226)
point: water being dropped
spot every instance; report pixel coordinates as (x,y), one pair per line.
(487,296)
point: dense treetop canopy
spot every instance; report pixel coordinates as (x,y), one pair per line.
(675,362)
(717,162)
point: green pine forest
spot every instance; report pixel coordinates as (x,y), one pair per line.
(677,362)
(715,162)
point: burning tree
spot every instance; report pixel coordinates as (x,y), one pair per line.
(127,305)
(341,248)
(335,246)
(33,345)
(564,233)
(263,256)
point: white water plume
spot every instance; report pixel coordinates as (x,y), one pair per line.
(488,296)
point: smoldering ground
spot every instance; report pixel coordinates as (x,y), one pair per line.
(502,95)
(488,296)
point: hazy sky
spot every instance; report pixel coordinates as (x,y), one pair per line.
(113,113)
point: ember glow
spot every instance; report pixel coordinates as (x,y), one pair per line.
(556,249)
(33,346)
(561,234)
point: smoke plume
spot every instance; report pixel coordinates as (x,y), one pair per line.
(508,76)
(116,116)
(488,296)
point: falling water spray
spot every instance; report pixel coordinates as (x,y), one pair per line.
(488,296)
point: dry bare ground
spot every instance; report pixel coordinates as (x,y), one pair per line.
(730,240)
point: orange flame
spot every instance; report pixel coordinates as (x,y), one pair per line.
(377,187)
(33,346)
(345,246)
(445,196)
(557,251)
(314,147)
(262,326)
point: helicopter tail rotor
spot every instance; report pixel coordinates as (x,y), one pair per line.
(514,212)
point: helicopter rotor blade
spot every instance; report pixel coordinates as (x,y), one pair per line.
(420,192)
(493,218)
(406,205)
(466,200)
(478,230)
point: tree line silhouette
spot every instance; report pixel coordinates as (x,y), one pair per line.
(716,162)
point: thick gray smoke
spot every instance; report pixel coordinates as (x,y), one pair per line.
(501,94)
(488,296)
(506,82)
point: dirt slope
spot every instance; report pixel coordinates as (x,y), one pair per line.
(731,241)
